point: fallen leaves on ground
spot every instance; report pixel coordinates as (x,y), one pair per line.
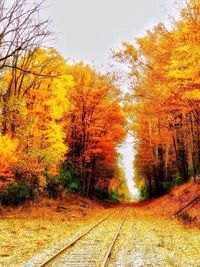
(149,237)
(150,241)
(27,230)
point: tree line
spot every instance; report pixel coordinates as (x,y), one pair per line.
(164,101)
(60,123)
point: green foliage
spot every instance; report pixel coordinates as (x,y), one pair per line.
(54,186)
(65,180)
(190,171)
(101,194)
(15,194)
(74,186)
(144,193)
(67,176)
(176,180)
(109,196)
(166,185)
(113,196)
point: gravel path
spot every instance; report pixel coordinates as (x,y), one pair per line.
(91,249)
(145,241)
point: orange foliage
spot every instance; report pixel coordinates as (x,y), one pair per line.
(94,124)
(164,70)
(7,159)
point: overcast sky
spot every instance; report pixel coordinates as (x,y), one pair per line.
(89,29)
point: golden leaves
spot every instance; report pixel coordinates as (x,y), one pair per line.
(163,103)
(7,158)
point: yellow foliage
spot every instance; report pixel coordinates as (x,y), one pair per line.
(36,111)
(7,158)
(194,94)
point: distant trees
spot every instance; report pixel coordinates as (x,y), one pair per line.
(164,102)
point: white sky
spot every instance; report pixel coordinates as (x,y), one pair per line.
(89,29)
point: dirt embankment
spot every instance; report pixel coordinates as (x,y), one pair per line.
(182,203)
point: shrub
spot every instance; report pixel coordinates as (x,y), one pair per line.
(53,187)
(74,186)
(65,180)
(67,176)
(15,194)
(100,193)
(144,193)
(177,179)
(113,196)
(190,171)
(166,185)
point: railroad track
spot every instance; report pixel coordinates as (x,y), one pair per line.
(94,246)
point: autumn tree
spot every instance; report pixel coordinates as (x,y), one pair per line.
(94,124)
(33,91)
(36,109)
(117,187)
(22,33)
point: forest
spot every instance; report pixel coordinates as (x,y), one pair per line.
(163,105)
(61,123)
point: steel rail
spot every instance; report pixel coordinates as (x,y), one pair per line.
(51,259)
(108,252)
